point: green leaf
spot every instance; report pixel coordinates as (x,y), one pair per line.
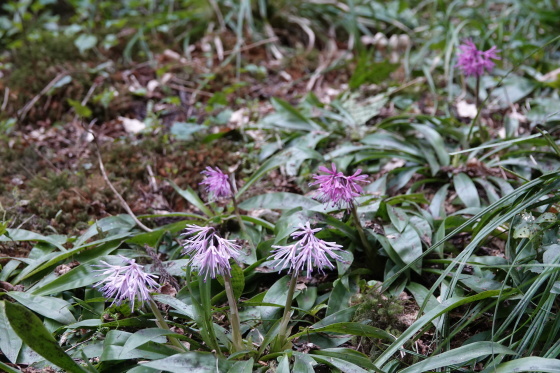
(466,190)
(31,330)
(184,131)
(459,356)
(303,363)
(283,365)
(182,308)
(278,201)
(82,110)
(353,328)
(24,235)
(435,140)
(343,365)
(144,336)
(191,196)
(82,275)
(347,354)
(10,343)
(243,366)
(192,362)
(407,244)
(529,364)
(398,217)
(53,308)
(85,42)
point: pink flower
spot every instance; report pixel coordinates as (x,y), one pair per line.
(307,253)
(473,62)
(217,183)
(126,282)
(210,253)
(337,189)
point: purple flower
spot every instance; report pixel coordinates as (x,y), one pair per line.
(210,253)
(473,62)
(217,183)
(307,253)
(126,282)
(338,189)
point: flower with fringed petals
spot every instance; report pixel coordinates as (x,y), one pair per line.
(474,62)
(126,282)
(216,182)
(307,253)
(336,188)
(210,253)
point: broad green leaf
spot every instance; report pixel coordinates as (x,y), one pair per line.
(121,222)
(24,235)
(529,364)
(179,306)
(341,293)
(10,343)
(343,365)
(144,336)
(85,42)
(82,275)
(407,244)
(303,363)
(82,110)
(53,259)
(278,201)
(306,299)
(352,328)
(191,196)
(436,141)
(243,366)
(459,356)
(116,339)
(51,307)
(398,217)
(347,354)
(283,365)
(192,362)
(277,294)
(437,206)
(466,190)
(31,330)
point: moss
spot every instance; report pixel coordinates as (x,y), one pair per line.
(381,312)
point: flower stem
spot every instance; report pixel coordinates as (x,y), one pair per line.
(160,322)
(478,109)
(236,210)
(233,316)
(204,288)
(371,254)
(287,310)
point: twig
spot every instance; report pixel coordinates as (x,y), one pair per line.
(117,194)
(251,46)
(6,97)
(23,112)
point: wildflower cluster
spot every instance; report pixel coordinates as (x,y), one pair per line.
(474,62)
(336,188)
(308,252)
(209,252)
(126,282)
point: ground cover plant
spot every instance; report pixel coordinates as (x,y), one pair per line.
(279,186)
